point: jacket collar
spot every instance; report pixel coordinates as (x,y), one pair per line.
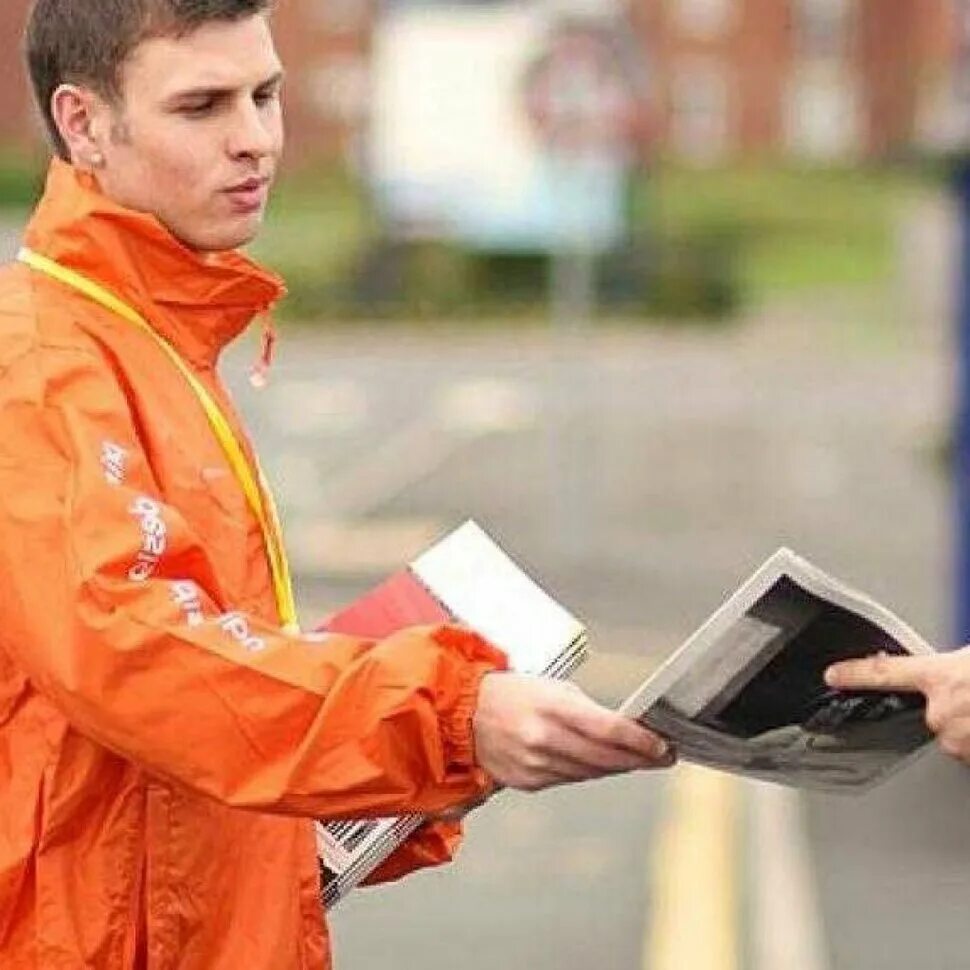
(198,302)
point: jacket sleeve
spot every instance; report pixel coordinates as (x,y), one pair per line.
(113,609)
(434,844)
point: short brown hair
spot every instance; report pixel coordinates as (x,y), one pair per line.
(87,41)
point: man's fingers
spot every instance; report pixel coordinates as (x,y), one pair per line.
(605,728)
(592,757)
(531,733)
(561,768)
(882,672)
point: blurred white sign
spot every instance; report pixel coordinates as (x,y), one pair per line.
(465,140)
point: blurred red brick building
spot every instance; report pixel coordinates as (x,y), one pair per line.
(15,114)
(819,78)
(828,79)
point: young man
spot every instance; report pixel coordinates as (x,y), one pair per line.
(166,733)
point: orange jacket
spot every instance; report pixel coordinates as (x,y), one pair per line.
(163,745)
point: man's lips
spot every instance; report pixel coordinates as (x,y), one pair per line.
(249,195)
(250,185)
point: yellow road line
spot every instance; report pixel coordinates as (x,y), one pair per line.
(694,886)
(787,932)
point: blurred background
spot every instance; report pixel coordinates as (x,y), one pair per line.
(648,289)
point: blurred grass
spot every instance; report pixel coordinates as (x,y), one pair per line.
(798,229)
(316,224)
(21,181)
(788,230)
(760,232)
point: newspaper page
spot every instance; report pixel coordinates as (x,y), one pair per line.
(746,693)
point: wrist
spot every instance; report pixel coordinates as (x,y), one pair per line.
(479,660)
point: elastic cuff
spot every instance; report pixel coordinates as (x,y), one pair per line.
(456,728)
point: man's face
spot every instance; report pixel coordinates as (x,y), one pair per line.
(198,132)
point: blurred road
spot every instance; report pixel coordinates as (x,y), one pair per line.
(642,476)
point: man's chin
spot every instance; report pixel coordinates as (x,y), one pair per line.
(229,234)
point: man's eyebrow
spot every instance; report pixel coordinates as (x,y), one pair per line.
(272,80)
(219,90)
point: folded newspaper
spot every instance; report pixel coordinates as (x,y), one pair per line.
(744,694)
(464,578)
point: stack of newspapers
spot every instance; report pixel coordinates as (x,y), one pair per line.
(465,578)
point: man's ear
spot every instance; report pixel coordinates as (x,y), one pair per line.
(79,115)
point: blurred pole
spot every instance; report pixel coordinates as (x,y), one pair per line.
(572,304)
(572,295)
(962,429)
(583,99)
(961,462)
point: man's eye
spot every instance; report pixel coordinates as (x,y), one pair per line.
(265,97)
(197,109)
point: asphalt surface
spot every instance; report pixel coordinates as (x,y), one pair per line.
(641,476)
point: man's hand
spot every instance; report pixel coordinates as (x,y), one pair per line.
(943,678)
(532,733)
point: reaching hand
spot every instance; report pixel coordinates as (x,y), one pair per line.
(943,678)
(532,733)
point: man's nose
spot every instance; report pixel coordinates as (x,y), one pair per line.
(252,135)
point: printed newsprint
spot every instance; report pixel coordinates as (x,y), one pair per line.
(465,578)
(746,692)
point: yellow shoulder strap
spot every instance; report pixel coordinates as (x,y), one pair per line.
(253,484)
